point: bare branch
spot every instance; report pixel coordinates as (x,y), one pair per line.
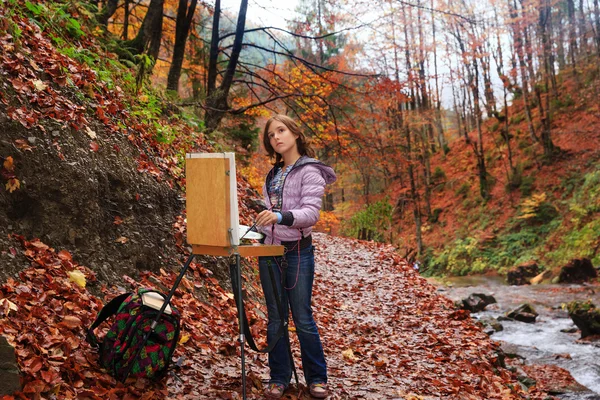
(265,28)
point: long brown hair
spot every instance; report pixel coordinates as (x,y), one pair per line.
(304,147)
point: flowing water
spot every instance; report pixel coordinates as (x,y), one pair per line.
(541,342)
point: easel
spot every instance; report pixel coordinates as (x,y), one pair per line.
(212,220)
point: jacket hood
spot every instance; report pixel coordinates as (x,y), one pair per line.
(326,171)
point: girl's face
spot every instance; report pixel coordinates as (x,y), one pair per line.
(281,138)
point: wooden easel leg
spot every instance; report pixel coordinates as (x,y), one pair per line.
(241,323)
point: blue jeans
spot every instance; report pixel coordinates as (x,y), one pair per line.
(298,293)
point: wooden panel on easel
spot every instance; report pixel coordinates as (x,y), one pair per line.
(207,201)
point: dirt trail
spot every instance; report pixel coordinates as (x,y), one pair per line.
(387,333)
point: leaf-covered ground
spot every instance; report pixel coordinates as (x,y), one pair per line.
(387,333)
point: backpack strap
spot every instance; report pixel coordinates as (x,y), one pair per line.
(107,311)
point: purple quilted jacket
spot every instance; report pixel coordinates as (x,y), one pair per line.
(302,194)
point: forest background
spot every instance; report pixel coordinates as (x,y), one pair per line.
(464,133)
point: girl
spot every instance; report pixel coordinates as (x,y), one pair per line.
(293,192)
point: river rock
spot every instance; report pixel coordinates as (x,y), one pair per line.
(524,313)
(520,275)
(477,302)
(490,325)
(543,276)
(9,370)
(577,270)
(556,381)
(586,316)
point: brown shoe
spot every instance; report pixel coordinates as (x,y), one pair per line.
(274,391)
(319,390)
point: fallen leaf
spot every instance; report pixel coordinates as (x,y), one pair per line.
(121,240)
(94,146)
(8,306)
(65,255)
(184,338)
(90,132)
(71,321)
(349,354)
(13,184)
(118,220)
(78,277)
(39,85)
(23,145)
(9,164)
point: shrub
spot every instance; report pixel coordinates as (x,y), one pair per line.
(435,215)
(438,174)
(460,258)
(537,210)
(372,222)
(463,190)
(517,119)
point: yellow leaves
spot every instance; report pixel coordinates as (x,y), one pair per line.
(532,207)
(13,184)
(184,338)
(78,277)
(348,354)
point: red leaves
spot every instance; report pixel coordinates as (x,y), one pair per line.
(383,322)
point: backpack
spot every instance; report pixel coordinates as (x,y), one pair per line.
(123,351)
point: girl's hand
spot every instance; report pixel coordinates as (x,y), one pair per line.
(265,218)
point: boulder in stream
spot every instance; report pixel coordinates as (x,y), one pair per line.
(577,270)
(586,316)
(524,313)
(523,273)
(477,302)
(490,325)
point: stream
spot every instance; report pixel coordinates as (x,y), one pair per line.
(541,342)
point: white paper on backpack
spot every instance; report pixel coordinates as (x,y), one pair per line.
(155,300)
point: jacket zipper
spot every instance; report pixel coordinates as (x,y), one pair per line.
(282,187)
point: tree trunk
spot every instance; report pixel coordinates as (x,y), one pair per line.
(108,11)
(125,34)
(413,189)
(597,15)
(518,35)
(503,117)
(438,114)
(150,33)
(582,30)
(545,15)
(216,99)
(572,34)
(183,23)
(560,41)
(484,189)
(426,164)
